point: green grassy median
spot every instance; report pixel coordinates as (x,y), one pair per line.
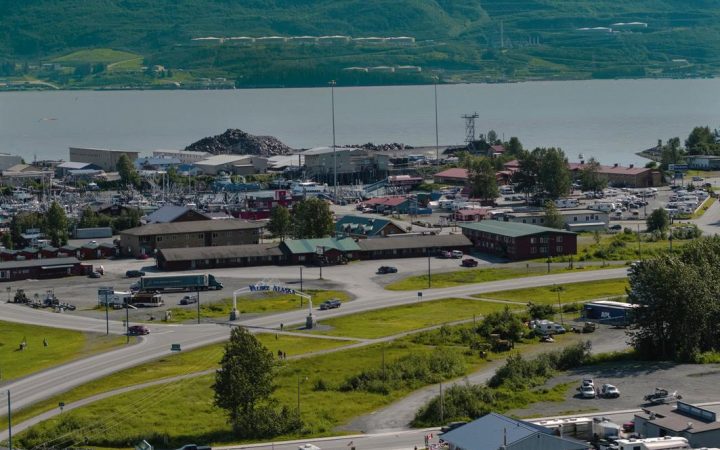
(258,303)
(570,292)
(399,319)
(470,276)
(63,346)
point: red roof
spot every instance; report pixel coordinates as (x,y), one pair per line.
(456,172)
(612,170)
(512,165)
(497,149)
(387,201)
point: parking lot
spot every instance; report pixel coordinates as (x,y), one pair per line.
(634,380)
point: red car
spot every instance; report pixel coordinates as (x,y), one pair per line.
(138,330)
(469,262)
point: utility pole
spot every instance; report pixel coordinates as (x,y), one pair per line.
(107,315)
(127,322)
(332,100)
(442,406)
(197,292)
(639,249)
(437,139)
(10,445)
(557,288)
(429,280)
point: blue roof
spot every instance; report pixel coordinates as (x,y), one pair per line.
(491,432)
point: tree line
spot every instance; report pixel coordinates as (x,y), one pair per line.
(700,141)
(310,218)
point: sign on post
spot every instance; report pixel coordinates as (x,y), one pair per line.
(175,347)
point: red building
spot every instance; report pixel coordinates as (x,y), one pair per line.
(519,241)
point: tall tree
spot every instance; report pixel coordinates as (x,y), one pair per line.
(679,304)
(590,178)
(701,141)
(513,146)
(481,176)
(553,174)
(658,220)
(526,178)
(553,219)
(312,218)
(671,153)
(244,380)
(280,224)
(128,175)
(56,225)
(88,218)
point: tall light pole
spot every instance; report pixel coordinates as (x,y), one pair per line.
(332,102)
(10,445)
(437,139)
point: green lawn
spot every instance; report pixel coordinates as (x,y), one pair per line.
(469,276)
(259,303)
(570,292)
(398,319)
(181,363)
(97,55)
(621,247)
(704,207)
(184,412)
(63,346)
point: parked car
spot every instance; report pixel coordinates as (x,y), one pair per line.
(138,330)
(588,382)
(698,179)
(330,304)
(469,262)
(188,300)
(445,254)
(609,391)
(616,227)
(662,396)
(587,391)
(387,269)
(95,274)
(134,273)
(628,427)
(456,254)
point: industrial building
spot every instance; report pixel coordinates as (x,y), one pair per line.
(703,162)
(185,157)
(519,241)
(103,158)
(494,431)
(205,233)
(232,165)
(575,219)
(353,165)
(698,425)
(619,176)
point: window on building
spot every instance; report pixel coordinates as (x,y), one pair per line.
(158,239)
(533,250)
(559,239)
(543,250)
(559,249)
(533,240)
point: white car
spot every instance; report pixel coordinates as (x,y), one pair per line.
(609,391)
(587,391)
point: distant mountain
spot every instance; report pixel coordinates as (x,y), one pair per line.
(467,40)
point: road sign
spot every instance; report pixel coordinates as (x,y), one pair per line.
(678,167)
(175,347)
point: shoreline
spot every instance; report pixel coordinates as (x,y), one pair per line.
(39,86)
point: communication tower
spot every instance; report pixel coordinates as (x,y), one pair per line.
(470,127)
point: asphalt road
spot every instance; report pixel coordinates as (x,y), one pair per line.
(369,296)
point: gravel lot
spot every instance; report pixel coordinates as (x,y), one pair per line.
(694,382)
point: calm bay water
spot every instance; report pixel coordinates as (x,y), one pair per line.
(610,120)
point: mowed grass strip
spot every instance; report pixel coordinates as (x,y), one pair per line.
(63,346)
(177,364)
(469,276)
(258,303)
(399,319)
(184,412)
(570,292)
(97,55)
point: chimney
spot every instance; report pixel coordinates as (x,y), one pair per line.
(582,162)
(615,165)
(632,165)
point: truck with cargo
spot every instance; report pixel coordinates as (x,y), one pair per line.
(183,283)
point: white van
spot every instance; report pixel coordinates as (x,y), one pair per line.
(456,254)
(547,327)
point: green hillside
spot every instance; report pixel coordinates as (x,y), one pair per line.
(119,43)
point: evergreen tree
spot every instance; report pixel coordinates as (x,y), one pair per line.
(56,225)
(481,176)
(553,173)
(553,219)
(128,175)
(658,220)
(590,178)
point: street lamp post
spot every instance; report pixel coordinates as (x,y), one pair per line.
(437,140)
(332,101)
(429,280)
(10,443)
(558,289)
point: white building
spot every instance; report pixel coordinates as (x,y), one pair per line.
(185,157)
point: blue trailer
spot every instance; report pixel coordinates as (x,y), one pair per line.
(610,312)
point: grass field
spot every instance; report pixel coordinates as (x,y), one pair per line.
(177,364)
(469,276)
(570,292)
(63,346)
(98,55)
(166,408)
(259,303)
(398,319)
